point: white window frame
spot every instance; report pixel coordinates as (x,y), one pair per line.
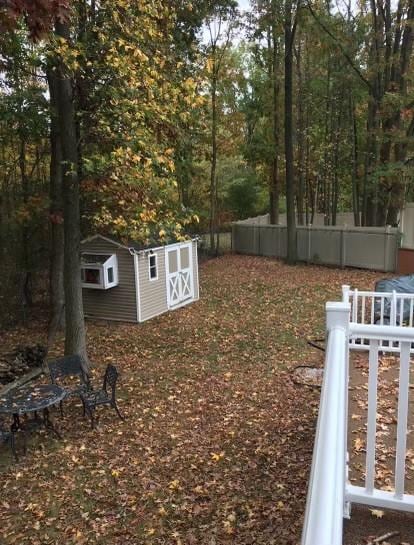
(111,262)
(149,267)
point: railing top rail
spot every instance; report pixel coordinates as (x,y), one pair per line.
(382,332)
(381,294)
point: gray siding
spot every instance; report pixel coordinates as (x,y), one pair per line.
(118,303)
(152,293)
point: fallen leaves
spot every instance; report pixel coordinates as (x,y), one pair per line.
(217,442)
(378,513)
(217,457)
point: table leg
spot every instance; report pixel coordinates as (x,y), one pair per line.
(16,426)
(49,424)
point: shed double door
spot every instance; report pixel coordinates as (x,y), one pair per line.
(179,274)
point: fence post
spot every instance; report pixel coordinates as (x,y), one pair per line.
(343,247)
(309,242)
(386,247)
(259,229)
(232,239)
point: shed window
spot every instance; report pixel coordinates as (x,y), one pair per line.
(153,269)
(91,276)
(99,271)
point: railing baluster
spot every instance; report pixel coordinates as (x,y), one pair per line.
(401,311)
(403,389)
(381,317)
(410,323)
(372,416)
(372,310)
(363,310)
(355,306)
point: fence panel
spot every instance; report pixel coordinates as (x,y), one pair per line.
(365,247)
(325,246)
(273,241)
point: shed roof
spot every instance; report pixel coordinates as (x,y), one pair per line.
(132,245)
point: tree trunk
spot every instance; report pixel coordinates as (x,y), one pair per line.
(57,297)
(290,182)
(355,186)
(26,285)
(75,338)
(335,184)
(326,171)
(213,180)
(301,140)
(274,65)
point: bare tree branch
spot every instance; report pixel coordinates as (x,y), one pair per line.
(340,47)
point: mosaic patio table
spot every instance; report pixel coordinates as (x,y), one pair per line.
(32,399)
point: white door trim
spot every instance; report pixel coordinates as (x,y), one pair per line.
(179,284)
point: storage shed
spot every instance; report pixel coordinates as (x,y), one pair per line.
(134,284)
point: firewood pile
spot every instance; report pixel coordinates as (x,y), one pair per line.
(21,360)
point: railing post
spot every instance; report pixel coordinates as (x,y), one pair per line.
(343,247)
(338,316)
(325,506)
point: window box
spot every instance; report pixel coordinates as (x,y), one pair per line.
(99,271)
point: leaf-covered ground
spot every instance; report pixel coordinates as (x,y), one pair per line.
(217,442)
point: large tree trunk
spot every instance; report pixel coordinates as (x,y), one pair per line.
(290,182)
(75,338)
(57,296)
(397,83)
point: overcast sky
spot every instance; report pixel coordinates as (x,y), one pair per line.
(244,4)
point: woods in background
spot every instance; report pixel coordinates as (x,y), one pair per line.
(148,120)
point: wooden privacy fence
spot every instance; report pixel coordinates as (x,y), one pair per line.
(364,247)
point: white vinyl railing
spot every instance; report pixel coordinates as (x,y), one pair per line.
(326,492)
(379,308)
(330,494)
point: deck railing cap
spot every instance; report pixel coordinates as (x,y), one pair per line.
(337,315)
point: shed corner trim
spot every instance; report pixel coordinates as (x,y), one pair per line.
(137,288)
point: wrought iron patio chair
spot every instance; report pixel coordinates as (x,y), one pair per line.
(7,435)
(69,367)
(105,396)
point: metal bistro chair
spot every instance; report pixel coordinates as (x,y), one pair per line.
(92,399)
(8,435)
(66,367)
